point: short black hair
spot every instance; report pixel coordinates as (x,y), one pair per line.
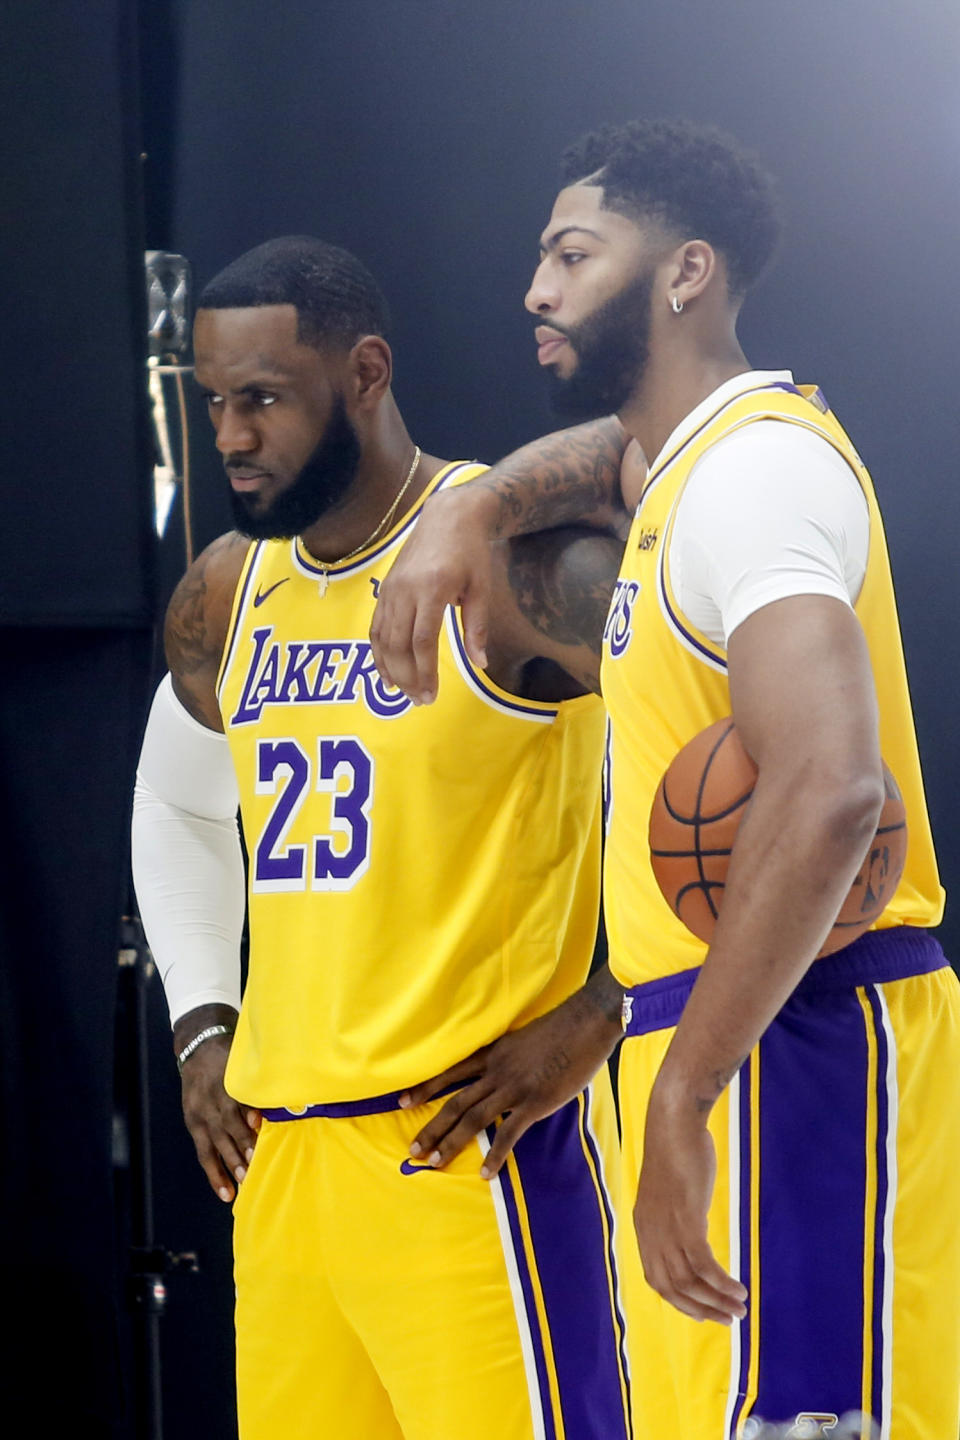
(694,179)
(336,298)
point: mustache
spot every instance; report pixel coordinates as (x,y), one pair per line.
(242,469)
(567,331)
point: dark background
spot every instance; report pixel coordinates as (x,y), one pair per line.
(423,135)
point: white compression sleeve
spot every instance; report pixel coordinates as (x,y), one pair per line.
(187,864)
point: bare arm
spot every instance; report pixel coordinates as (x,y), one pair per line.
(804,704)
(569,477)
(196,626)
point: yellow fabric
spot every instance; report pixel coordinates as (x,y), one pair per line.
(682,1371)
(436,880)
(663,682)
(356,1282)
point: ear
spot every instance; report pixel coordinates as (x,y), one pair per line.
(693,266)
(370,371)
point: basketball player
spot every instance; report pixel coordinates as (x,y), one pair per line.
(794,1127)
(420,881)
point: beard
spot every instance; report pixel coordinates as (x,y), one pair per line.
(612,347)
(321,484)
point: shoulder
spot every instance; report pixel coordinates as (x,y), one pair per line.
(197,620)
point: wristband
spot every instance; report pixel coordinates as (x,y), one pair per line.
(198,1040)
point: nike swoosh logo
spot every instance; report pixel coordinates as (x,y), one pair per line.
(376,588)
(260,596)
(408,1167)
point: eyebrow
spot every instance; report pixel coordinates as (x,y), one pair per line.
(554,240)
(272,378)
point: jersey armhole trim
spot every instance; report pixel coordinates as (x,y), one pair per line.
(541,711)
(250,565)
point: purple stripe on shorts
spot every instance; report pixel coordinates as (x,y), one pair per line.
(883,1191)
(812,1163)
(688,635)
(571,1256)
(608,1210)
(746,1245)
(526,1285)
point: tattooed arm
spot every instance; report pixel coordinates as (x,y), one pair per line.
(187,864)
(548,605)
(196,626)
(569,477)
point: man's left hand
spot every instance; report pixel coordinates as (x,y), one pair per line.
(670,1217)
(524,1076)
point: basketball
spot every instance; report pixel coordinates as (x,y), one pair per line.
(693,826)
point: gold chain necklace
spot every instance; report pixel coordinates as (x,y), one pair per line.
(384,523)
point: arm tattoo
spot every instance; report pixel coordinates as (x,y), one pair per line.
(562,581)
(558,480)
(187,641)
(196,622)
(719,1081)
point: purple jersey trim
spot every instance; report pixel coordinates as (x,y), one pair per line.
(510,703)
(228,652)
(337,570)
(661,470)
(876,958)
(344,1109)
(883,1193)
(675,620)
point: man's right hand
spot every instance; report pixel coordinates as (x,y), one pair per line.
(446,561)
(571,477)
(223,1132)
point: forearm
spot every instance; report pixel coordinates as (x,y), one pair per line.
(797,852)
(567,477)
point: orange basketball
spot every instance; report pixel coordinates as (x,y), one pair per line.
(693,825)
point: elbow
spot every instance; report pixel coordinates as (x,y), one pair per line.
(853,813)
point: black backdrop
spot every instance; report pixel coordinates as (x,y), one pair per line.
(423,134)
(76,609)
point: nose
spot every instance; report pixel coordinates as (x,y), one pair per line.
(235,434)
(543,295)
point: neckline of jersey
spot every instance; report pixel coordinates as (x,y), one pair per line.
(339,568)
(708,407)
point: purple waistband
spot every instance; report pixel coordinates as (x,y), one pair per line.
(343,1109)
(875,958)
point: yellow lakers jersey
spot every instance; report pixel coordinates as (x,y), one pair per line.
(421,879)
(664,681)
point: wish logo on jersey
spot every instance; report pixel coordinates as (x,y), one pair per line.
(313,672)
(618,630)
